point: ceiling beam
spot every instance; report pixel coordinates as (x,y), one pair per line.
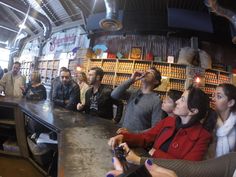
(60,28)
(50,13)
(70,9)
(9,27)
(17,19)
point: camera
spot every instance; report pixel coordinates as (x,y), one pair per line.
(120,154)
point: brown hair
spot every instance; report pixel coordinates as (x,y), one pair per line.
(37,77)
(84,77)
(157,75)
(99,72)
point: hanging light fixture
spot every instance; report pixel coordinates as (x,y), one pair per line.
(111,22)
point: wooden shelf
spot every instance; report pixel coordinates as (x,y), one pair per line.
(10,153)
(174,78)
(7,121)
(211,84)
(124,67)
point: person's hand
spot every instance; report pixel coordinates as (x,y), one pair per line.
(122,130)
(115,141)
(22,89)
(157,171)
(137,75)
(152,151)
(80,106)
(153,169)
(115,121)
(118,168)
(131,157)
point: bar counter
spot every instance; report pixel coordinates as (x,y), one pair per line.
(82,139)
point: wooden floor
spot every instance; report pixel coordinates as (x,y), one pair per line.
(16,167)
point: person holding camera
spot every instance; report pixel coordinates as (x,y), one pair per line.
(183,137)
(143,109)
(217,167)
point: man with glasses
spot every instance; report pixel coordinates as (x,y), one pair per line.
(143,109)
(12,83)
(98,100)
(67,92)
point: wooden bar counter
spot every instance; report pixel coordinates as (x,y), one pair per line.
(82,139)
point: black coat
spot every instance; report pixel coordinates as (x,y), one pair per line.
(62,93)
(105,103)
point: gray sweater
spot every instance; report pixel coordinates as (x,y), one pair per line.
(143,111)
(224,166)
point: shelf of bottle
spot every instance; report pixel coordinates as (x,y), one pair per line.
(107,71)
(214,84)
(175,78)
(122,72)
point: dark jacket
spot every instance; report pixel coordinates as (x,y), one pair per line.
(69,92)
(189,143)
(35,93)
(105,103)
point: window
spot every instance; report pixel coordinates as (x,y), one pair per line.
(4,57)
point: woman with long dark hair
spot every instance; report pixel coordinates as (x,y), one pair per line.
(225,133)
(186,137)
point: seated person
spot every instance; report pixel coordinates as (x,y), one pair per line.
(184,137)
(35,90)
(98,100)
(67,92)
(225,133)
(143,109)
(218,167)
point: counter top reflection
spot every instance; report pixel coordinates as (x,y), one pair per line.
(83,149)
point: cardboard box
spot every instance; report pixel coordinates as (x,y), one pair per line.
(84,53)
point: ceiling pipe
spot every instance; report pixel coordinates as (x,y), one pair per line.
(9,29)
(111,22)
(15,5)
(223,12)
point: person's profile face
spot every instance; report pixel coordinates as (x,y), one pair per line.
(221,100)
(181,108)
(168,105)
(92,77)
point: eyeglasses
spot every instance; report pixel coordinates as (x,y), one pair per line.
(138,98)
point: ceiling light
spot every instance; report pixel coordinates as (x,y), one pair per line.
(22,26)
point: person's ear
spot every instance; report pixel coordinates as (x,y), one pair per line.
(193,111)
(231,103)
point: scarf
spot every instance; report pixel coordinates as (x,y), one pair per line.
(226,135)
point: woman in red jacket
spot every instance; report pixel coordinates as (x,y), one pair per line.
(183,137)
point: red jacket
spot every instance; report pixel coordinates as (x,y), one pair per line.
(189,143)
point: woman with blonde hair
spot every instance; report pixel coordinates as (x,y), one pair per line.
(83,84)
(35,90)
